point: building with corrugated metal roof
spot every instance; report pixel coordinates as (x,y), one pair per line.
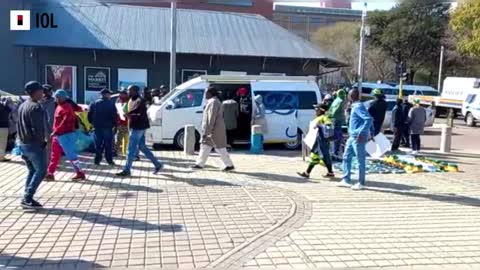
(97,45)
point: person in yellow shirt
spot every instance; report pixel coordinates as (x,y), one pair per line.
(322,145)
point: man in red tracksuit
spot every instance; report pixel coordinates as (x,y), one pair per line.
(63,136)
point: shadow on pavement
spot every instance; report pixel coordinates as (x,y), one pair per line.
(273,177)
(455,199)
(12,261)
(395,186)
(97,218)
(199,182)
(122,186)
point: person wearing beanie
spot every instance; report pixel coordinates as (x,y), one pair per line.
(377,110)
(336,112)
(63,136)
(103,116)
(32,139)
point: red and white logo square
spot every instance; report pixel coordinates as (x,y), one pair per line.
(20,20)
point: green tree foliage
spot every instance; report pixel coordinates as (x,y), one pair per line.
(466,25)
(411,32)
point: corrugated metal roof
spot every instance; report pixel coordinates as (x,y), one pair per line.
(86,24)
(318,10)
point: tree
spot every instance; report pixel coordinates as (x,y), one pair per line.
(466,25)
(341,39)
(411,32)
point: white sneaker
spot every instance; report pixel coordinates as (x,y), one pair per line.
(358,186)
(414,152)
(344,183)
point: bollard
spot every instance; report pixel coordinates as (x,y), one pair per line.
(450,117)
(446,141)
(189,140)
(256,142)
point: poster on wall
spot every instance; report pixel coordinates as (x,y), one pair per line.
(188,74)
(62,77)
(128,76)
(96,78)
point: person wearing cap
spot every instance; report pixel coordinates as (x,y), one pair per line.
(327,101)
(397,124)
(32,139)
(417,116)
(63,136)
(122,123)
(377,109)
(359,126)
(322,145)
(103,116)
(48,104)
(138,124)
(337,113)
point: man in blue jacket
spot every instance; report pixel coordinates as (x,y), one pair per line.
(358,131)
(103,116)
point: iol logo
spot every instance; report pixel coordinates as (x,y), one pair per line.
(20,20)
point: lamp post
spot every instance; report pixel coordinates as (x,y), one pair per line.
(361,49)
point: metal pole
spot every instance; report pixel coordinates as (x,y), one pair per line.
(360,53)
(440,70)
(173,43)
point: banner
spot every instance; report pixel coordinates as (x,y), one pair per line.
(62,77)
(129,76)
(96,78)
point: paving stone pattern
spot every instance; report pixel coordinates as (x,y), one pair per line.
(260,216)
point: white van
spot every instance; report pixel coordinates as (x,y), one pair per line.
(471,109)
(288,101)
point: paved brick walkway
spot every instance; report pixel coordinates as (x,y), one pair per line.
(261,215)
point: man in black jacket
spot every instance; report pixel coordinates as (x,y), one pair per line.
(406,126)
(398,122)
(103,116)
(377,110)
(138,124)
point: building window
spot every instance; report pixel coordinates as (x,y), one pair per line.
(242,3)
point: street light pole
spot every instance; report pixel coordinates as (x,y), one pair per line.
(440,70)
(361,49)
(173,43)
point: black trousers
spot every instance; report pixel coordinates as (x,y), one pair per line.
(397,137)
(231,137)
(406,135)
(415,142)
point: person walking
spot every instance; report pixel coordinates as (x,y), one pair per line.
(322,145)
(138,123)
(103,116)
(359,125)
(32,139)
(416,119)
(63,136)
(337,113)
(213,132)
(122,124)
(397,124)
(258,113)
(406,126)
(230,115)
(377,110)
(48,104)
(4,129)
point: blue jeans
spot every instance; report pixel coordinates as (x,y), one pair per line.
(354,148)
(103,143)
(36,160)
(137,142)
